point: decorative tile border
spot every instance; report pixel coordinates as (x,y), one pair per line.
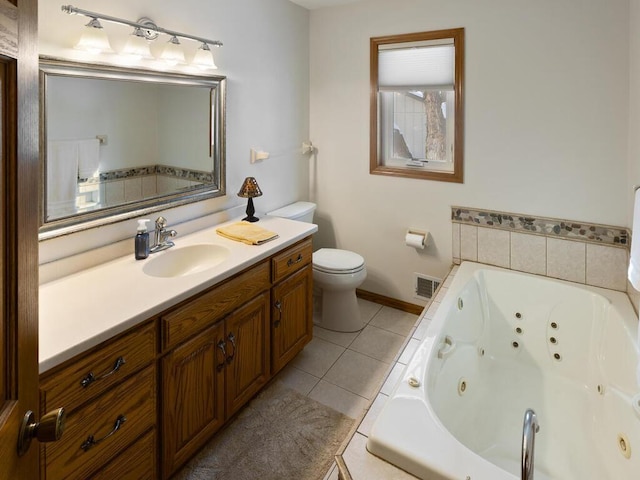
(184,173)
(551,227)
(127,173)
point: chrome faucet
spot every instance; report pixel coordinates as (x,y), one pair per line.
(529,429)
(162,235)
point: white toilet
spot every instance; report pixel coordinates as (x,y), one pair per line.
(336,275)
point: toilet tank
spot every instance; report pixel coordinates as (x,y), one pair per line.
(301,211)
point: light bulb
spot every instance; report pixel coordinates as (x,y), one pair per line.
(203,58)
(172,53)
(137,45)
(94,39)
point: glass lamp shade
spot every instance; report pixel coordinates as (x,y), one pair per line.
(94,39)
(203,58)
(172,53)
(249,188)
(137,46)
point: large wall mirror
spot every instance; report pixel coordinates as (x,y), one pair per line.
(119,142)
(416,126)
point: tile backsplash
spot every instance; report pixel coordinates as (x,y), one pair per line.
(591,254)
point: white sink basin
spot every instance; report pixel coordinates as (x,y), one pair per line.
(181,261)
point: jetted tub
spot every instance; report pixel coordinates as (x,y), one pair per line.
(502,342)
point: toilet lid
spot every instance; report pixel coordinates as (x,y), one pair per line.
(333,260)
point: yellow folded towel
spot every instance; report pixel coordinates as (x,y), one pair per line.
(246,232)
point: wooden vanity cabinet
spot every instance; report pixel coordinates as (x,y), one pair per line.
(171,383)
(109,395)
(209,377)
(291,303)
(261,319)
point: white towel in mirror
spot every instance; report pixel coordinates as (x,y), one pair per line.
(88,157)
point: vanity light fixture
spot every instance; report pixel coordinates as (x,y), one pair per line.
(94,39)
(250,190)
(203,58)
(137,45)
(145,29)
(172,53)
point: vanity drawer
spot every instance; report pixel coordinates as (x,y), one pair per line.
(75,456)
(98,371)
(212,305)
(291,260)
(138,461)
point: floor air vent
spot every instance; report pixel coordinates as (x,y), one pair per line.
(426,286)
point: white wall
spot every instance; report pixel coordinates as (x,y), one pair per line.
(184,128)
(83,108)
(265,59)
(634,101)
(546,116)
(634,120)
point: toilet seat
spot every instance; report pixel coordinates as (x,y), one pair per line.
(336,261)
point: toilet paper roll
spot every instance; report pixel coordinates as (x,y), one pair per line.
(415,240)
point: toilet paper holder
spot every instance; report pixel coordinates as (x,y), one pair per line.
(417,238)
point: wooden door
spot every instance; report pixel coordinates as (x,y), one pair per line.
(192,396)
(291,317)
(19,199)
(247,330)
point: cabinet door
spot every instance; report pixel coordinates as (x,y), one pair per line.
(193,396)
(291,317)
(247,341)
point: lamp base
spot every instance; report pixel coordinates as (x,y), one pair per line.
(250,212)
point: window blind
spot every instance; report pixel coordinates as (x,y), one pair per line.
(416,67)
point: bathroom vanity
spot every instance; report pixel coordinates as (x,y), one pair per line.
(149,368)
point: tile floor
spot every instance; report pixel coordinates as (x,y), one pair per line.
(345,370)
(362,465)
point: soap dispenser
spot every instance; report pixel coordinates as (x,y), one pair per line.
(142,240)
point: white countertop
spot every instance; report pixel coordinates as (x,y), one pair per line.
(81,310)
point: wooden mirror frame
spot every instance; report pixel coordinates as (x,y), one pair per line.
(375,166)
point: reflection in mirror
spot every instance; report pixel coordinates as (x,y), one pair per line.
(118,143)
(416,105)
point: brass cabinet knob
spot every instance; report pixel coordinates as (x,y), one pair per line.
(49,429)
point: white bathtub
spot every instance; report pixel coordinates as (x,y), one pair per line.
(511,341)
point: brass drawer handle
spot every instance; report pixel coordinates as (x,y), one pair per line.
(232,339)
(90,442)
(221,346)
(90,378)
(291,262)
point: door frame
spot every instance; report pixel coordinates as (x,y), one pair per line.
(19,224)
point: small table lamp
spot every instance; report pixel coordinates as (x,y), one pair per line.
(250,190)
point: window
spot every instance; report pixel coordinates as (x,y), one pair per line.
(416,105)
